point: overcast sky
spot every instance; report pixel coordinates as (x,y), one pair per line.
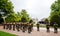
(35,8)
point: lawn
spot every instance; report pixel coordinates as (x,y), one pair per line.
(6,34)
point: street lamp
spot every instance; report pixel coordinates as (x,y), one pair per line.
(2,13)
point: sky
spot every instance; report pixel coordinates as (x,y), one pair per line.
(35,8)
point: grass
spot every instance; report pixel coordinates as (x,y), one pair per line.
(6,34)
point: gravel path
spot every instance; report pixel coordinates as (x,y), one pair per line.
(42,32)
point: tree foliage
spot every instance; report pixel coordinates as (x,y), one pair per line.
(19,17)
(46,20)
(55,13)
(24,16)
(6,6)
(13,18)
(30,21)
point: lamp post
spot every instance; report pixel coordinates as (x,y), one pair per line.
(3,16)
(2,13)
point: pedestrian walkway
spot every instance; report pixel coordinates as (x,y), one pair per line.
(42,32)
(51,29)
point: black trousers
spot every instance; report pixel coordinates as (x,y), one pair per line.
(13,27)
(37,28)
(55,30)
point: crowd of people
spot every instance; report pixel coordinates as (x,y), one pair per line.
(19,26)
(27,27)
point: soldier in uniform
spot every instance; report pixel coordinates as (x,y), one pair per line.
(23,27)
(48,26)
(4,26)
(55,27)
(10,26)
(37,26)
(31,25)
(13,26)
(17,27)
(29,28)
(26,26)
(7,26)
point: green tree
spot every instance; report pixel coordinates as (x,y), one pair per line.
(30,21)
(13,18)
(46,20)
(24,16)
(6,7)
(19,15)
(55,13)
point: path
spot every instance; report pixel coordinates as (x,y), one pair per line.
(42,32)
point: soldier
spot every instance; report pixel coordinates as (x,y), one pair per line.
(23,27)
(17,27)
(4,26)
(31,24)
(48,26)
(7,25)
(26,26)
(13,26)
(29,28)
(55,27)
(10,26)
(37,26)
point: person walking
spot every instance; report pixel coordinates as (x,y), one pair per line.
(55,28)
(37,26)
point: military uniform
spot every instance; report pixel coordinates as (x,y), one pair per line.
(17,27)
(23,27)
(4,26)
(13,26)
(55,28)
(29,28)
(7,26)
(37,27)
(48,26)
(10,26)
